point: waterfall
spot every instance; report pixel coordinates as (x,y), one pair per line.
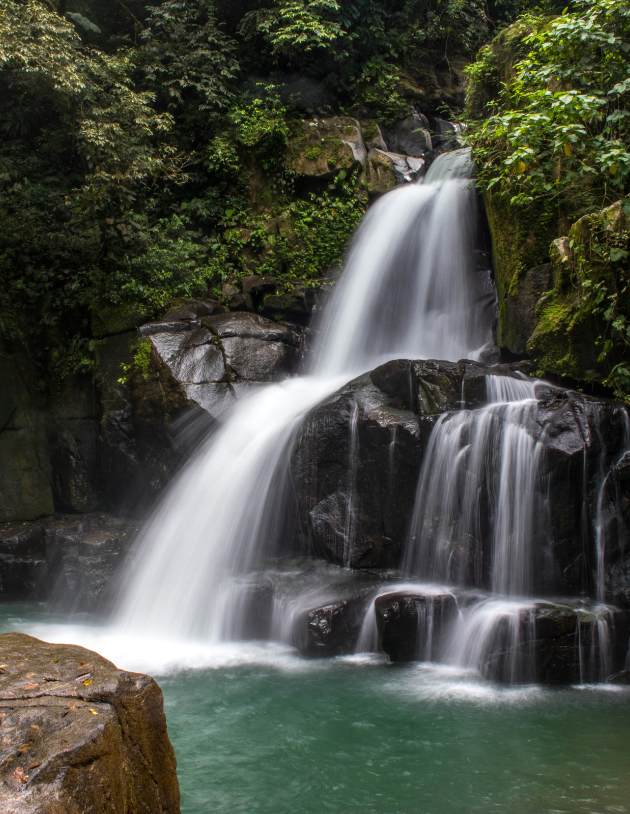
(476,509)
(407,290)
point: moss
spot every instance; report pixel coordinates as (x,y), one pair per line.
(108,320)
(369,130)
(312,153)
(493,67)
(576,334)
(564,340)
(521,237)
(142,358)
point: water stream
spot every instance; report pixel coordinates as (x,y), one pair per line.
(408,290)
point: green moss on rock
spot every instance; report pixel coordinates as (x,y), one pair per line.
(582,328)
(108,320)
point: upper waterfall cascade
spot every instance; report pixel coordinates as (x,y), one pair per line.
(410,289)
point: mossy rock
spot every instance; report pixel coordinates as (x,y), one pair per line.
(571,326)
(321,148)
(380,174)
(564,339)
(494,67)
(108,320)
(521,237)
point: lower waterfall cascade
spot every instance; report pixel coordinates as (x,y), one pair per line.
(479,583)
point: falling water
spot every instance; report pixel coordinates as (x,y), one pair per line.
(475,510)
(408,290)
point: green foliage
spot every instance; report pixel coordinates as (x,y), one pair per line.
(134,168)
(379,86)
(186,55)
(561,123)
(294,27)
(600,248)
(142,358)
(316,235)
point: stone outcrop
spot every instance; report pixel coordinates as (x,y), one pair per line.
(559,643)
(66,560)
(357,457)
(80,736)
(385,156)
(414,626)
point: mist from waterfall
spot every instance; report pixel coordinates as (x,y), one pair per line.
(408,289)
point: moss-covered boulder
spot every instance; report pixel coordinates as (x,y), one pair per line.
(520,247)
(582,322)
(320,148)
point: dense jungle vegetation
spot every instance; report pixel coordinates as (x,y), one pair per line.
(142,152)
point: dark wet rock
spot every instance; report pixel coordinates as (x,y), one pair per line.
(357,457)
(560,644)
(25,470)
(80,735)
(409,136)
(623,677)
(82,557)
(581,437)
(520,302)
(355,465)
(444,134)
(333,629)
(69,559)
(414,626)
(329,620)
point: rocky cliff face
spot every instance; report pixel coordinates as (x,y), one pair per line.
(80,735)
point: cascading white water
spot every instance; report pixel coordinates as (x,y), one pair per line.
(409,287)
(408,290)
(475,509)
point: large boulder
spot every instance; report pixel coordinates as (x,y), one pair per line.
(322,147)
(162,387)
(357,456)
(409,136)
(414,626)
(209,358)
(557,643)
(80,735)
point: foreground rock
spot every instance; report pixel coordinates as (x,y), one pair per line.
(79,735)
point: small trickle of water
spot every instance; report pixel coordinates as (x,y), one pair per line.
(496,639)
